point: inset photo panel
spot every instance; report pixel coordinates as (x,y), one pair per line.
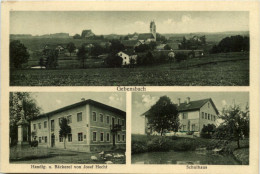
(190,128)
(67,127)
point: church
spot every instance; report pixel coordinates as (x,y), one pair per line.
(145,37)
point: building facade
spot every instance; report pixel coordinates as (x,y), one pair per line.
(94,127)
(128,57)
(193,115)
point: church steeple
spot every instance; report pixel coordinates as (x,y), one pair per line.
(153,28)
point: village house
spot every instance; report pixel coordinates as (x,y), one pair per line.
(193,116)
(128,56)
(94,127)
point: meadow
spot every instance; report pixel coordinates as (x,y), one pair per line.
(225,69)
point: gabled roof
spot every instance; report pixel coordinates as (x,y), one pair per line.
(145,36)
(129,43)
(128,52)
(192,106)
(82,103)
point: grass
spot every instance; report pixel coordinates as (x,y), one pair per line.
(42,155)
(230,69)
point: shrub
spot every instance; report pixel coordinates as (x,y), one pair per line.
(138,147)
(159,144)
(34,143)
(180,57)
(184,145)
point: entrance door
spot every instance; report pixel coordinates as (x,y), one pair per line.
(52,140)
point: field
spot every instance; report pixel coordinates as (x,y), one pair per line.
(226,69)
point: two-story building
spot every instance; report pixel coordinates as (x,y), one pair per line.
(193,115)
(94,127)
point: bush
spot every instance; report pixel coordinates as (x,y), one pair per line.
(184,145)
(180,57)
(158,144)
(34,143)
(138,147)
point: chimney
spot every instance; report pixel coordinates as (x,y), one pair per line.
(179,101)
(82,99)
(188,100)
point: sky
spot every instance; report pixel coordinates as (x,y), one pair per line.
(141,102)
(49,101)
(124,22)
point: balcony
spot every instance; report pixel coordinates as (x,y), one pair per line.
(115,128)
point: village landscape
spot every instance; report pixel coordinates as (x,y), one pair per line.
(195,131)
(151,58)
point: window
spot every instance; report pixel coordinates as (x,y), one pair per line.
(80,137)
(69,119)
(211,117)
(45,124)
(79,116)
(60,120)
(108,137)
(118,121)
(40,139)
(123,122)
(61,138)
(52,125)
(214,118)
(185,115)
(202,115)
(39,125)
(94,116)
(123,138)
(102,136)
(108,119)
(34,126)
(206,116)
(101,118)
(183,127)
(69,137)
(94,138)
(118,137)
(193,127)
(45,138)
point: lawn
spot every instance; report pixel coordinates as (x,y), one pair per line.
(42,155)
(230,69)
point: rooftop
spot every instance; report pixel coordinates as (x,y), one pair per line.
(192,106)
(82,103)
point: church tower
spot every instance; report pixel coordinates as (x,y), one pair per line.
(153,29)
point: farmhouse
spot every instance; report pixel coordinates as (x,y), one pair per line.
(94,127)
(193,115)
(127,57)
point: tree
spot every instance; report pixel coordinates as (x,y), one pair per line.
(76,36)
(116,46)
(236,121)
(82,54)
(96,50)
(152,45)
(208,130)
(30,107)
(71,47)
(51,58)
(163,115)
(65,129)
(167,47)
(142,48)
(114,61)
(18,54)
(41,62)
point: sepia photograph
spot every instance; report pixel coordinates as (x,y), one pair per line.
(67,127)
(190,128)
(143,48)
